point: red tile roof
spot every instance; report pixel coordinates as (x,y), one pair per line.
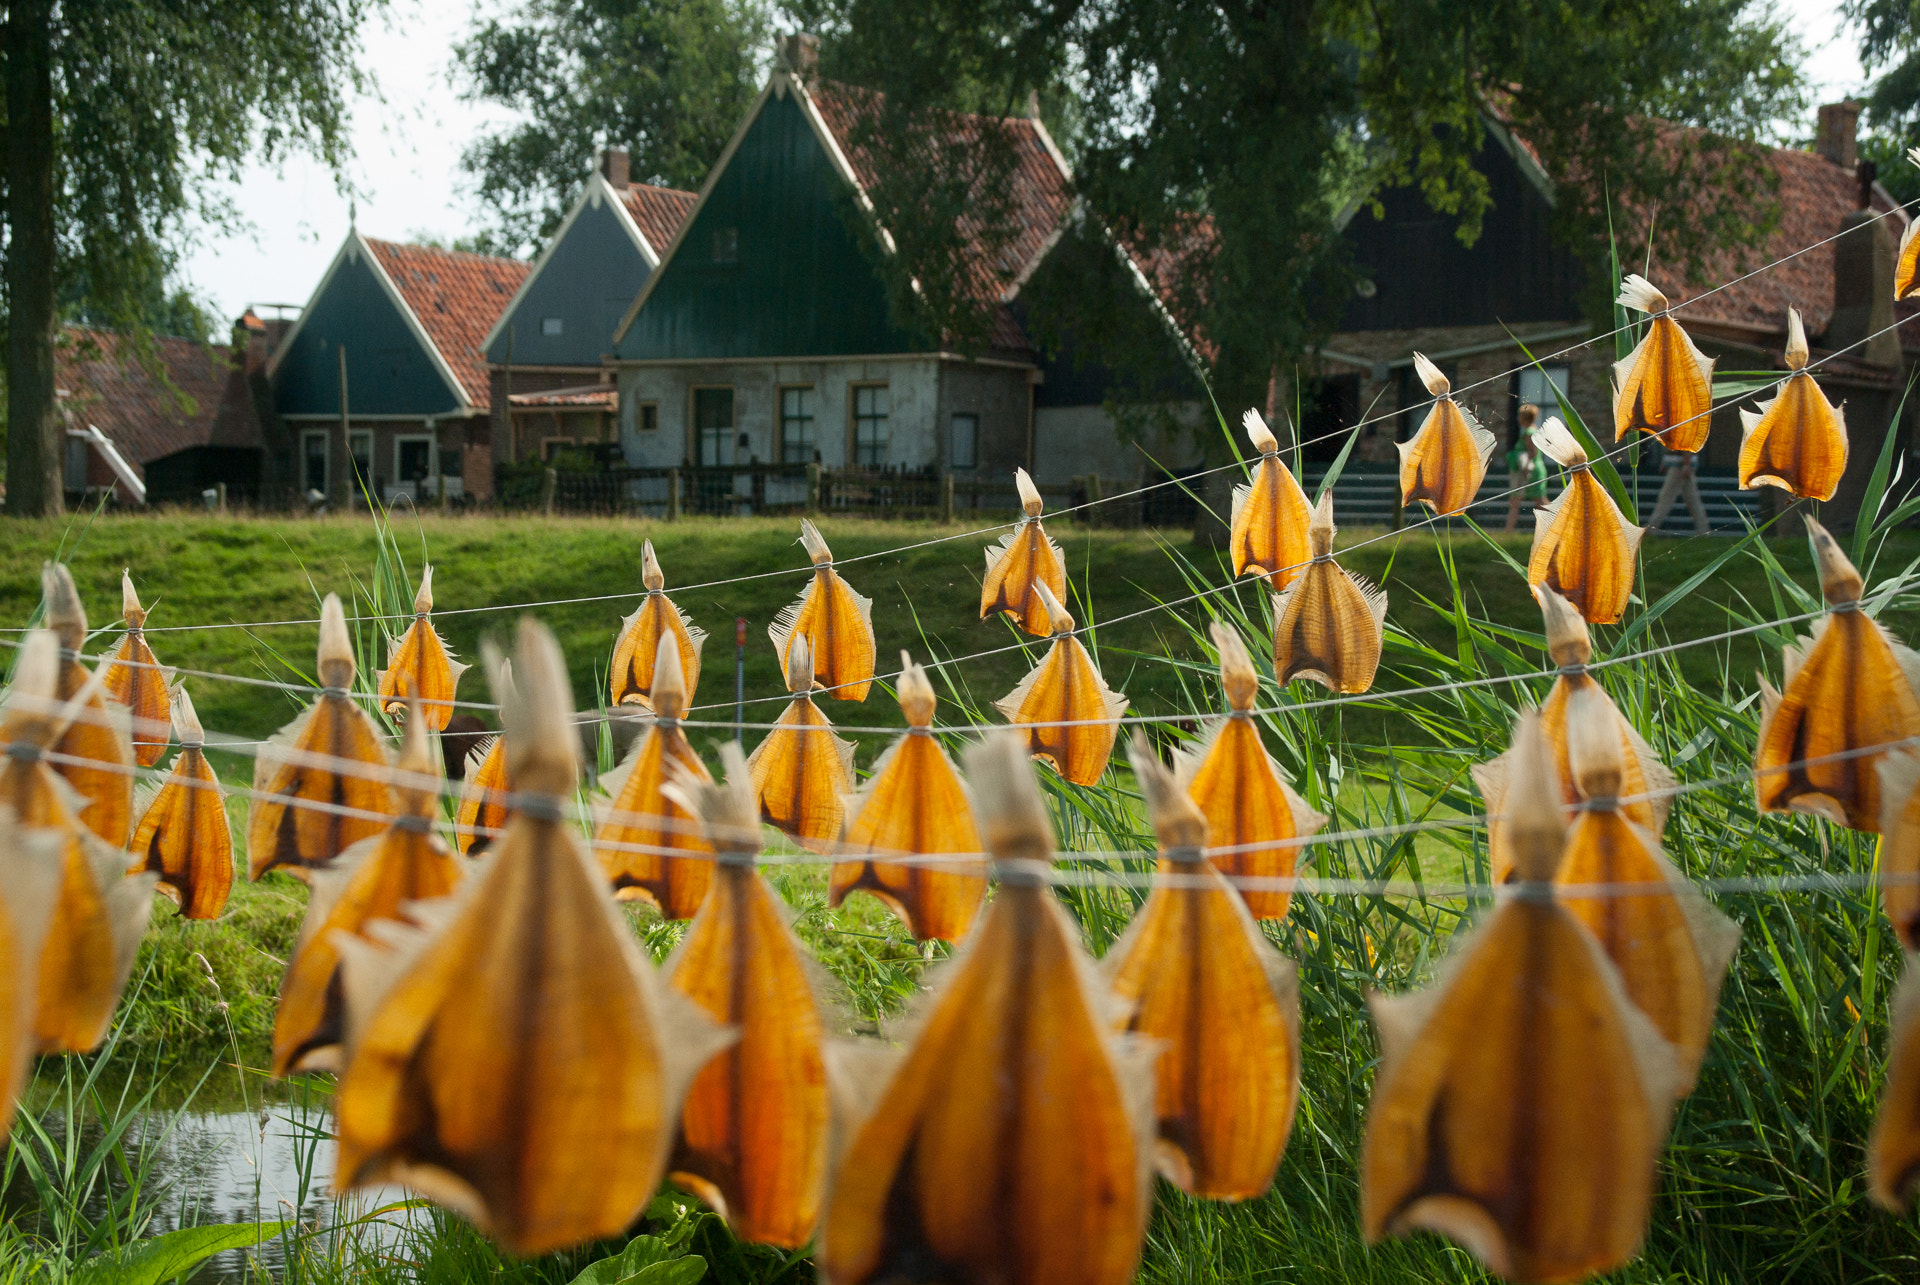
(210,403)
(659,212)
(604,395)
(457,296)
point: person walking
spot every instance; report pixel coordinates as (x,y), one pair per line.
(1679,483)
(1526,468)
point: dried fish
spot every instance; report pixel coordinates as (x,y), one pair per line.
(320,784)
(30,872)
(1270,514)
(914,820)
(99,731)
(753,1133)
(1900,842)
(1847,687)
(1198,976)
(802,772)
(1521,1101)
(650,846)
(183,834)
(1665,385)
(1893,1145)
(1329,626)
(1013,1141)
(1253,816)
(1026,556)
(1072,712)
(374,879)
(836,622)
(1671,947)
(419,664)
(1443,465)
(1907,265)
(630,678)
(510,1056)
(137,680)
(1797,441)
(1583,545)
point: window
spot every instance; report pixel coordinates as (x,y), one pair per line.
(647,417)
(412,458)
(796,425)
(870,425)
(313,461)
(360,452)
(712,426)
(726,245)
(965,447)
(552,446)
(1536,385)
(552,326)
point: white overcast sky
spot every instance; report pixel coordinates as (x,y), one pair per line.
(407,148)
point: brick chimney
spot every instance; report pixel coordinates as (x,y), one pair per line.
(1835,138)
(614,167)
(1863,259)
(799,53)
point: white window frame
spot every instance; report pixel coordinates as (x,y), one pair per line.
(973,441)
(325,438)
(361,435)
(854,417)
(812,418)
(433,455)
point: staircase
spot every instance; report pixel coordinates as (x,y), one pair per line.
(1369,497)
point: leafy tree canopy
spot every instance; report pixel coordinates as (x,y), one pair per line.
(1890,47)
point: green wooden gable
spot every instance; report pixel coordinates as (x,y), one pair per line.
(767,266)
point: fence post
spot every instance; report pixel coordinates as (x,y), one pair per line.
(946,498)
(673,495)
(440,500)
(221,489)
(549,483)
(813,488)
(1094,516)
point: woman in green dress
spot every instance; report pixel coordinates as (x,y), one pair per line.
(1526,468)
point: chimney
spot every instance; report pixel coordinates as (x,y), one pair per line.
(1835,137)
(614,167)
(799,53)
(1863,256)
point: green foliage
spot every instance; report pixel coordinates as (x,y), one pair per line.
(170,1256)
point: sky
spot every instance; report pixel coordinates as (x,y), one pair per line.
(407,146)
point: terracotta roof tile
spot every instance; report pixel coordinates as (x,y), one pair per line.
(602,395)
(659,212)
(457,296)
(113,391)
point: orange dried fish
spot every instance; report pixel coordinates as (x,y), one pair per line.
(1198,976)
(1075,711)
(1893,1145)
(511,1057)
(914,805)
(30,872)
(485,797)
(1251,811)
(1583,545)
(836,622)
(99,911)
(419,664)
(1443,465)
(802,772)
(183,834)
(1329,626)
(1645,780)
(1665,385)
(1013,1141)
(98,731)
(630,678)
(1847,687)
(1907,266)
(1270,514)
(321,783)
(1797,441)
(1025,557)
(640,834)
(1671,947)
(753,1134)
(136,680)
(1521,1101)
(1900,842)
(372,880)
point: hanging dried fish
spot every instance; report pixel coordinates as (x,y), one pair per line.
(372,880)
(1013,1141)
(320,784)
(1893,1145)
(30,872)
(511,1057)
(99,911)
(1198,976)
(802,772)
(183,834)
(1671,947)
(1270,514)
(1583,545)
(419,664)
(98,732)
(753,1134)
(1906,267)
(137,681)
(1665,385)
(1847,687)
(631,676)
(914,806)
(1900,842)
(1025,557)
(1443,465)
(1521,1101)
(1073,711)
(486,792)
(639,833)
(1329,626)
(836,622)
(1797,441)
(1252,813)
(1645,780)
